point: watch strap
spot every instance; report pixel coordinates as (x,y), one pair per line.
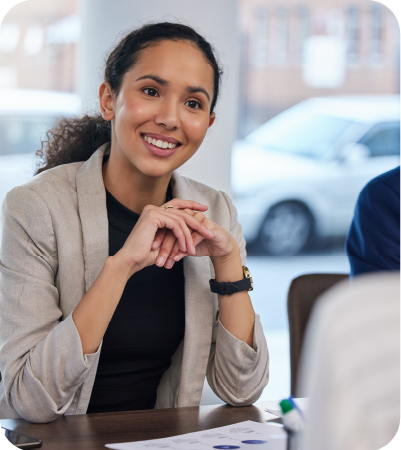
(230,287)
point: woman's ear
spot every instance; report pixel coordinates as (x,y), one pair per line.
(211,120)
(106,101)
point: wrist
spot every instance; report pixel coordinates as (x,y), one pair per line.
(119,268)
(229,266)
(232,255)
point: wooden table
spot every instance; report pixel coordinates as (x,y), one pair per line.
(93,431)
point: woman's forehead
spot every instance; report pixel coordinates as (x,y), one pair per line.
(177,62)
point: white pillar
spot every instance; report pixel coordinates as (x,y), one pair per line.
(106,21)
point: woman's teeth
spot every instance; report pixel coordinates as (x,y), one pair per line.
(159,143)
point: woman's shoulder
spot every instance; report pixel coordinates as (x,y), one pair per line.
(50,184)
(65,173)
(219,203)
(183,185)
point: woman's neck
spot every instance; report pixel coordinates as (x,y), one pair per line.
(131,187)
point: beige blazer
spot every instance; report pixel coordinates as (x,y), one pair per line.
(54,245)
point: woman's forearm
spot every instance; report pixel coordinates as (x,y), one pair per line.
(236,311)
(94,312)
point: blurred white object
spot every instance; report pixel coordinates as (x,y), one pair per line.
(65,31)
(300,173)
(9,37)
(351,365)
(8,77)
(324,62)
(25,116)
(34,40)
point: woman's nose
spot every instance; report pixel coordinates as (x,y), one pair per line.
(168,115)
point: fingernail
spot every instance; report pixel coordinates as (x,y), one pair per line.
(169,264)
(193,249)
(159,261)
(154,243)
(177,258)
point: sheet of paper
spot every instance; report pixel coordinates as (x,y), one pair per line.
(246,435)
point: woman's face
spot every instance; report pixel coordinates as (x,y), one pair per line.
(162,111)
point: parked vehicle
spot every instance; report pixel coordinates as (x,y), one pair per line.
(25,116)
(299,174)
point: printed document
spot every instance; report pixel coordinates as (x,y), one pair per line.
(246,435)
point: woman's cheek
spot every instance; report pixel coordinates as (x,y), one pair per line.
(198,131)
(138,113)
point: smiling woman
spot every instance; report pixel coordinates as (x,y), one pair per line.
(91,320)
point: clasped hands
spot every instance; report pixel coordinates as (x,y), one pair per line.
(163,236)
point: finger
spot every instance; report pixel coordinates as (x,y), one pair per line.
(187,204)
(166,247)
(175,251)
(169,263)
(181,224)
(180,229)
(194,223)
(159,237)
(177,254)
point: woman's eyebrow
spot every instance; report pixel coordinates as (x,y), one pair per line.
(156,78)
(194,89)
(163,82)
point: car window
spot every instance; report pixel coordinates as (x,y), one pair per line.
(20,134)
(383,139)
(304,134)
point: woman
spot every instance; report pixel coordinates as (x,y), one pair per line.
(90,319)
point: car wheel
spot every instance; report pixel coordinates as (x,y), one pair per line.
(286,229)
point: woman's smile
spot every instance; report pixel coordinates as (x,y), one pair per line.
(160,145)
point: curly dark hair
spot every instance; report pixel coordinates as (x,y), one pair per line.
(76,139)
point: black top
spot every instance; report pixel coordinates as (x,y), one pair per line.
(145,330)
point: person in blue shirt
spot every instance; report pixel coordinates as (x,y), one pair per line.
(373,241)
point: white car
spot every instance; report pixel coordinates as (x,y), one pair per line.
(299,174)
(25,116)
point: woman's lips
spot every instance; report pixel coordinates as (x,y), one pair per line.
(156,151)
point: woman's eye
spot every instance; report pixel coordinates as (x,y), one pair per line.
(151,92)
(194,104)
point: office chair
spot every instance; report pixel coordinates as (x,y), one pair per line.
(302,295)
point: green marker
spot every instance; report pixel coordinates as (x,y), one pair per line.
(292,420)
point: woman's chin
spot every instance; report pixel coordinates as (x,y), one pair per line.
(155,170)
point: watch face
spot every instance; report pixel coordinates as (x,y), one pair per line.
(247,274)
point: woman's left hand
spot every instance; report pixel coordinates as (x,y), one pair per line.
(221,246)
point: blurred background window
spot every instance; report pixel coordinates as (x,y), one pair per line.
(261,38)
(353,34)
(318,117)
(282,35)
(377,32)
(303,31)
(38,83)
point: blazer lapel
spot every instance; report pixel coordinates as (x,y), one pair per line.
(198,316)
(93,214)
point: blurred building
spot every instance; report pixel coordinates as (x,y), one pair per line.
(38,45)
(295,49)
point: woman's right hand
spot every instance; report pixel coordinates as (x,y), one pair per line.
(156,224)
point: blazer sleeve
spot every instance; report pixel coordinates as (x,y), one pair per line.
(41,359)
(238,373)
(373,241)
